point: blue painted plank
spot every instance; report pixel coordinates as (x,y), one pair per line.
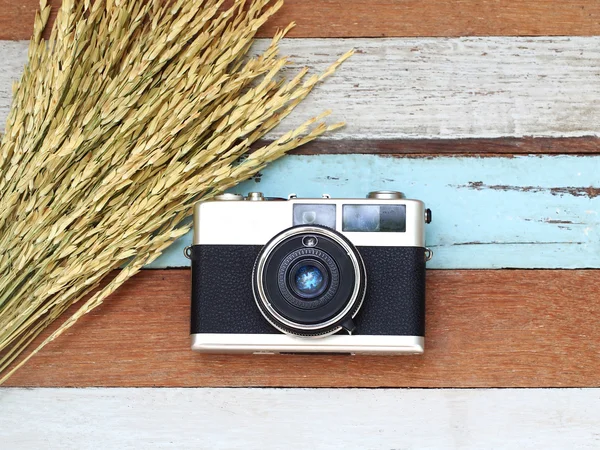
(489,213)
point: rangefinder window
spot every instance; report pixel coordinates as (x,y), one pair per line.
(311,214)
(374,218)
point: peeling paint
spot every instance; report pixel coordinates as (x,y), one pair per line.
(550,90)
(563,222)
(590,191)
(554,221)
(514,243)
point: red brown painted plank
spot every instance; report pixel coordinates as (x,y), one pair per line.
(393,18)
(506,328)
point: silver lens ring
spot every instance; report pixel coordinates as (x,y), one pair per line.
(310,330)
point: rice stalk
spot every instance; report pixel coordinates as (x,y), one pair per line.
(124,118)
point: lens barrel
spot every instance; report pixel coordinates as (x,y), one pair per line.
(309,280)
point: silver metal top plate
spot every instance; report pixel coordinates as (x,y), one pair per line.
(256,222)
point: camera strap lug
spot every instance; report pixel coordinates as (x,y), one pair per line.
(428,254)
(187,252)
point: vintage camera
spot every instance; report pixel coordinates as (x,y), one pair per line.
(271,275)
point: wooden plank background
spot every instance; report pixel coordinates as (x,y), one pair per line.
(427,99)
(424,89)
(487,110)
(488,213)
(485,328)
(552,419)
(380,18)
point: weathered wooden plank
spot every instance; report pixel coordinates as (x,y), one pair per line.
(437,88)
(320,418)
(520,212)
(484,329)
(356,18)
(436,147)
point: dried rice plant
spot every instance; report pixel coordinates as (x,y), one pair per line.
(128,114)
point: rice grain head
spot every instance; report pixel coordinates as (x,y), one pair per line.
(124,118)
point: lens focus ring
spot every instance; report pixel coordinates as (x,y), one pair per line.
(294,261)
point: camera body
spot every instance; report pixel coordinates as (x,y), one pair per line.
(314,275)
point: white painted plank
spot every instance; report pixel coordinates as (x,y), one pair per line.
(284,418)
(13,57)
(437,87)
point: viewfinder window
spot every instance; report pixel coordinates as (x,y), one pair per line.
(374,218)
(313,214)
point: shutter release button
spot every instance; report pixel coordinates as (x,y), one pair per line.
(386,195)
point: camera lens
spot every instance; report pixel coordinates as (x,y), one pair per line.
(309,280)
(305,278)
(309,290)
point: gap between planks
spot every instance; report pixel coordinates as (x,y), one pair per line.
(484,329)
(357,18)
(432,148)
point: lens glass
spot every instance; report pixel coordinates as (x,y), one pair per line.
(309,280)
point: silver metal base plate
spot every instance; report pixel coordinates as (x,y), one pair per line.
(282,343)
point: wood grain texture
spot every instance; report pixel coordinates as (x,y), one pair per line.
(552,419)
(484,329)
(424,148)
(435,88)
(392,18)
(488,213)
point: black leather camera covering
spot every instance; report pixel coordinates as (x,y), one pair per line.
(222,299)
